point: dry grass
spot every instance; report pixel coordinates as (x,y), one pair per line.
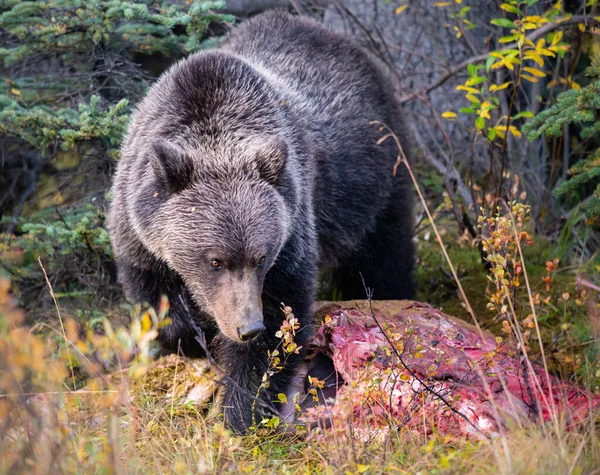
(136,419)
(129,414)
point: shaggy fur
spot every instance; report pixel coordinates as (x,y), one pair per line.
(261,148)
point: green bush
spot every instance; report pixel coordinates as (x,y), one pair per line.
(581,107)
(70,70)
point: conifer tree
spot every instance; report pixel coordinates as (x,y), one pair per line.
(70,70)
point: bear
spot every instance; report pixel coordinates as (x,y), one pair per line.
(247,172)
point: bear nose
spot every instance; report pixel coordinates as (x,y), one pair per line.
(251,330)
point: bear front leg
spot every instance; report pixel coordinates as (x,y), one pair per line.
(245,402)
(246,364)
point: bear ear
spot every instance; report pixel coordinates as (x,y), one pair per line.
(271,158)
(171,165)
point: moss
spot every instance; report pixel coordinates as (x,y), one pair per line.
(437,287)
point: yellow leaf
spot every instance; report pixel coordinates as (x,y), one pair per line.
(146,322)
(499,64)
(449,115)
(472,98)
(529,78)
(581,26)
(536,19)
(495,87)
(513,130)
(16,92)
(535,72)
(575,86)
(401,8)
(558,36)
(441,4)
(484,112)
(467,89)
(535,57)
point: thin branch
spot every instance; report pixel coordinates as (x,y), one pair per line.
(62,326)
(447,170)
(201,339)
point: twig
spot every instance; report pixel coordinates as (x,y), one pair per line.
(403,160)
(533,405)
(535,319)
(201,339)
(62,326)
(446,170)
(508,123)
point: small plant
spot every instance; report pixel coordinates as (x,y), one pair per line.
(47,377)
(275,364)
(75,248)
(550,320)
(503,253)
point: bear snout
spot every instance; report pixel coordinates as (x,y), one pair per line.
(251,330)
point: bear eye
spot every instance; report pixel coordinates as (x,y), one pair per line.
(215,264)
(261,262)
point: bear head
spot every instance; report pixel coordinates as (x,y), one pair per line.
(221,224)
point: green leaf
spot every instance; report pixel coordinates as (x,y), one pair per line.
(503,22)
(472,70)
(511,9)
(480,123)
(489,62)
(475,80)
(525,114)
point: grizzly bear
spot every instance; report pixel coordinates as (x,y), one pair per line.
(245,172)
